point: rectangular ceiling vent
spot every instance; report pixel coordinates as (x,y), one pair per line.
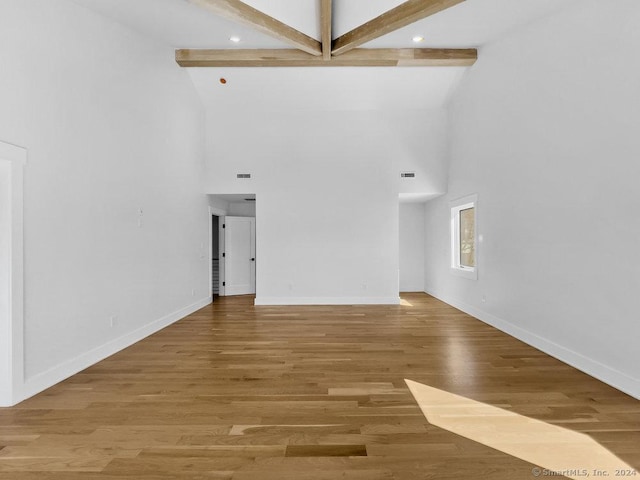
(243,175)
(408,175)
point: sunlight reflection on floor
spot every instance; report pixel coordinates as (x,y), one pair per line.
(404,303)
(554,449)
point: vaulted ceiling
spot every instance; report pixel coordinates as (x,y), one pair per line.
(329,50)
(182,24)
(295,32)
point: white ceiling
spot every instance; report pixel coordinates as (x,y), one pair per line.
(234,198)
(472,23)
(180,24)
(302,15)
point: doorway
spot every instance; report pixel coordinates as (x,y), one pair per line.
(215,256)
(233,244)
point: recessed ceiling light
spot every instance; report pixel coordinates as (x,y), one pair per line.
(417,39)
(235,39)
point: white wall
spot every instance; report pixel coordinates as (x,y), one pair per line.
(245,209)
(412,238)
(327,185)
(220,205)
(545,131)
(111,125)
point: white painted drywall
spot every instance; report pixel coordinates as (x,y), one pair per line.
(220,205)
(111,125)
(244,209)
(412,219)
(327,185)
(545,131)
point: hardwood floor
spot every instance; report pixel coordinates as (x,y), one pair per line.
(242,392)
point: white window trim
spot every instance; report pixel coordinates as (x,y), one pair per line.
(456,206)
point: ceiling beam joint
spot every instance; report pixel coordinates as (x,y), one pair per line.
(325,20)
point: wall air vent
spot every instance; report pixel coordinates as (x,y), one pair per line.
(243,175)
(408,175)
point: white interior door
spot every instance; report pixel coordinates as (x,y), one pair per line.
(240,255)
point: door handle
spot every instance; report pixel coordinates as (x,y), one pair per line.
(253,259)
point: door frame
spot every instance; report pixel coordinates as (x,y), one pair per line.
(13,160)
(220,214)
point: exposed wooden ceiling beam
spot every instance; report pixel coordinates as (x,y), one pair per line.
(242,13)
(360,57)
(401,16)
(325,19)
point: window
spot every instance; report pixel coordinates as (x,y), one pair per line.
(463,237)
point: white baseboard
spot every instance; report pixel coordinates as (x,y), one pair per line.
(327,301)
(54,375)
(411,288)
(604,373)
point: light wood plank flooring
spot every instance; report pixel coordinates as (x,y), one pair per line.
(282,393)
